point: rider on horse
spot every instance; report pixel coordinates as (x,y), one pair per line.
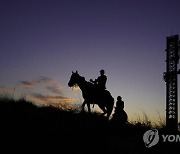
(93,95)
(100,81)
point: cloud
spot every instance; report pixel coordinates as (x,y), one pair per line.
(27,84)
(2,88)
(55,89)
(53,94)
(32,83)
(51,99)
(44,79)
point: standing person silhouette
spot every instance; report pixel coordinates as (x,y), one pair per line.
(119,104)
(101,80)
(120,116)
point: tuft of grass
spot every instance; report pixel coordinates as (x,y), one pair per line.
(144,120)
(160,122)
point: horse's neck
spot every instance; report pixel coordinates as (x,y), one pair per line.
(86,87)
(82,84)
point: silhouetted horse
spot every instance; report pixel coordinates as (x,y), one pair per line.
(92,95)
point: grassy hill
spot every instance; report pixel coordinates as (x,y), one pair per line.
(26,126)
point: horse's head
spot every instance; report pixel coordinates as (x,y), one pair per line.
(75,79)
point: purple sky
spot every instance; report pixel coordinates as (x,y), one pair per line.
(43,41)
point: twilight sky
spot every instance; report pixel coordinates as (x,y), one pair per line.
(43,41)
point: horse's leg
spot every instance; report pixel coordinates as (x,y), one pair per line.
(108,114)
(103,109)
(89,108)
(88,105)
(110,106)
(83,105)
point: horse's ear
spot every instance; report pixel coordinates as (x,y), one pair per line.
(77,72)
(72,72)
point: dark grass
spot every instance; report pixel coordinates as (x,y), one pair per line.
(27,127)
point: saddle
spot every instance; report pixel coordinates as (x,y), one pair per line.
(99,91)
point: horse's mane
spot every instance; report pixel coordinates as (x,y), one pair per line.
(87,83)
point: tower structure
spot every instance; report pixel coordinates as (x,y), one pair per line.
(171,79)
